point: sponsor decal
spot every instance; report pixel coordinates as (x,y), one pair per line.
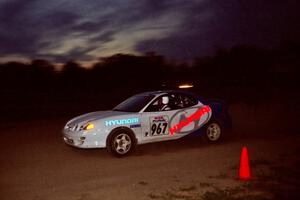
(195,117)
(158,126)
(135,125)
(122,121)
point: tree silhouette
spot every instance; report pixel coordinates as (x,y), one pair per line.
(243,73)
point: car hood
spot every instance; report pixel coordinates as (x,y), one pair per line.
(93,116)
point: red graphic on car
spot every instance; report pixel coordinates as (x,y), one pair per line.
(195,116)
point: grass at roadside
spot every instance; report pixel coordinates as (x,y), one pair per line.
(279,179)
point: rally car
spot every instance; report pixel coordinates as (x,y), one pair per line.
(148,117)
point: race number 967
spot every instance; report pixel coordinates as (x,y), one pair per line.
(159,128)
(159,125)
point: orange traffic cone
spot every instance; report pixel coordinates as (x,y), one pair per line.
(244,173)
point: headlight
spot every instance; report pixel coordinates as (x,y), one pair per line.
(88,126)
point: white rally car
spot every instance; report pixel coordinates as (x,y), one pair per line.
(143,118)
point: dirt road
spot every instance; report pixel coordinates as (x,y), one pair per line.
(36,164)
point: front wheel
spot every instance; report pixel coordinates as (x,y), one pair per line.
(213,132)
(121,143)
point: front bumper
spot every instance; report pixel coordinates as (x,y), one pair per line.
(83,139)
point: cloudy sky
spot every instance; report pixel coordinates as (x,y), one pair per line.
(83,30)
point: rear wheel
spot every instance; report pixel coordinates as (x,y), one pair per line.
(213,132)
(121,143)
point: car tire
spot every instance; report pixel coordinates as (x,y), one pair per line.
(213,132)
(121,142)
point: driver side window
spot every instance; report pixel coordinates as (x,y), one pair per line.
(187,101)
(163,103)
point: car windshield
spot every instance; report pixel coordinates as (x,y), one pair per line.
(134,103)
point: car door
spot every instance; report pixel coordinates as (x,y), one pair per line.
(155,122)
(165,125)
(191,116)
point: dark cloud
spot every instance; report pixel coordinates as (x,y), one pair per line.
(104,37)
(191,38)
(91,26)
(58,20)
(73,54)
(65,30)
(263,23)
(11,11)
(14,37)
(21,32)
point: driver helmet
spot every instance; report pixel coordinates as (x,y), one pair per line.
(165,100)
